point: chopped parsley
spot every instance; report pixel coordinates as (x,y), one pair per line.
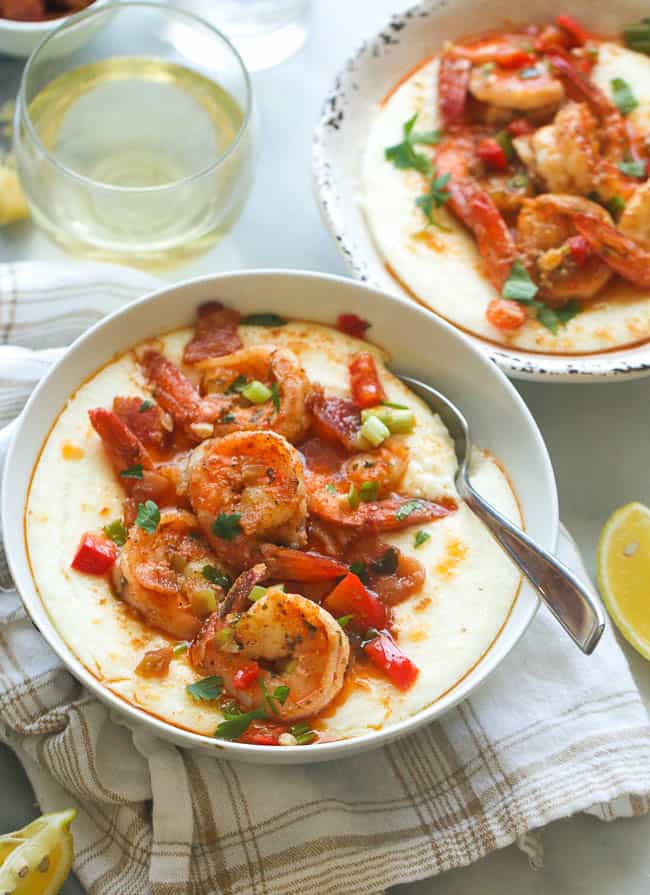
(227,418)
(615,205)
(519,286)
(420,538)
(410,506)
(504,140)
(133,472)
(624,99)
(146,405)
(263,320)
(331,488)
(360,569)
(148,517)
(237,386)
(303,733)
(387,563)
(275,395)
(237,724)
(207,689)
(435,198)
(212,574)
(226,526)
(637,37)
(633,169)
(553,318)
(404,155)
(117,532)
(519,181)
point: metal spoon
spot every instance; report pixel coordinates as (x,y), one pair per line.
(572,603)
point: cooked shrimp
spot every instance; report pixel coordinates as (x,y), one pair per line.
(505,88)
(634,222)
(254,483)
(276,368)
(623,255)
(160,574)
(544,229)
(299,645)
(564,155)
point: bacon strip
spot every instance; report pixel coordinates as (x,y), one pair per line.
(215,334)
(147,424)
(123,447)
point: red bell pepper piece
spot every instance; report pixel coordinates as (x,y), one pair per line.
(367,390)
(514,58)
(519,127)
(259,733)
(492,154)
(505,314)
(579,249)
(351,597)
(579,35)
(246,676)
(95,555)
(386,655)
(352,325)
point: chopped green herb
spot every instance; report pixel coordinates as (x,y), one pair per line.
(238,385)
(256,392)
(226,526)
(407,508)
(236,725)
(257,593)
(369,491)
(227,418)
(331,488)
(117,532)
(624,98)
(213,575)
(146,405)
(303,733)
(353,497)
(420,538)
(374,431)
(633,169)
(206,690)
(519,286)
(504,140)
(281,694)
(387,563)
(230,709)
(553,318)
(637,37)
(435,198)
(275,395)
(404,156)
(360,569)
(179,648)
(615,205)
(263,320)
(148,517)
(133,472)
(519,181)
(394,406)
(532,72)
(344,620)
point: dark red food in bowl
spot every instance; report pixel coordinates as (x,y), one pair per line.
(40,10)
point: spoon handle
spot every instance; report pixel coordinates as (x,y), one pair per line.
(571,602)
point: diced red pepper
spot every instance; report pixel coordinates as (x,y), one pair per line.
(492,154)
(579,35)
(259,733)
(514,58)
(352,325)
(579,249)
(246,676)
(519,127)
(386,655)
(551,37)
(95,555)
(367,390)
(351,597)
(505,314)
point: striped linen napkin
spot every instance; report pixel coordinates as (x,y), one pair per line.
(550,734)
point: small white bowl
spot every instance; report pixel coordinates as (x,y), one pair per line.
(21,38)
(419,343)
(342,132)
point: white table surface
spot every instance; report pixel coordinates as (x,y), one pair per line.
(598,435)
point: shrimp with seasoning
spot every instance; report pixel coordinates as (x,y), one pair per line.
(248,488)
(285,383)
(160,574)
(293,642)
(627,257)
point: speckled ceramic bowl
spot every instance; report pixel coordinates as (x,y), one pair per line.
(342,132)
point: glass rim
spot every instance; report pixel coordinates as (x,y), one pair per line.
(22,108)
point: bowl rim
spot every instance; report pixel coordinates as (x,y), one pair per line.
(17,554)
(102,7)
(617,364)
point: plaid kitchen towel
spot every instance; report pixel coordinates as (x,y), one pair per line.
(550,734)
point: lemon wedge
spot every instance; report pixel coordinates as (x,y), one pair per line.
(37,859)
(12,201)
(624,573)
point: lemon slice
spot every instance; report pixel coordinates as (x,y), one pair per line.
(624,573)
(37,859)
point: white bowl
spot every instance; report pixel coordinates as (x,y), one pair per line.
(420,344)
(342,132)
(21,38)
